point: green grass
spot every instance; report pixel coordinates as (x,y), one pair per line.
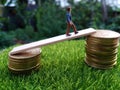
(62,68)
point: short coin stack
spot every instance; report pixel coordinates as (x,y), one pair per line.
(24,62)
(101,49)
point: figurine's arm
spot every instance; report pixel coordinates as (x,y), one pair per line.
(69,19)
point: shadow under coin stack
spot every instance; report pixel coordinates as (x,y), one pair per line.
(101,49)
(24,62)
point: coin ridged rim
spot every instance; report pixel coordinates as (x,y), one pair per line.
(27,57)
(98,61)
(23,65)
(108,49)
(102,39)
(101,47)
(24,60)
(23,69)
(102,43)
(99,66)
(102,57)
(100,53)
(105,34)
(96,50)
(102,65)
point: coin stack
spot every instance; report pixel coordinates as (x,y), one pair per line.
(24,62)
(101,49)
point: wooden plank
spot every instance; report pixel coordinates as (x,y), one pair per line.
(52,40)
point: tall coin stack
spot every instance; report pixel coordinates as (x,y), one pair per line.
(101,49)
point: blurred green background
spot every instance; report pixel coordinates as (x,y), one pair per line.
(49,19)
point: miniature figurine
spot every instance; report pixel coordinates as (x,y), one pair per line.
(69,22)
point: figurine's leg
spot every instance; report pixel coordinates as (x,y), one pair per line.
(74,28)
(68,29)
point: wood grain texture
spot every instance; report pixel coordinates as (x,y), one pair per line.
(52,40)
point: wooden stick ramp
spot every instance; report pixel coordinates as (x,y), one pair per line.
(52,40)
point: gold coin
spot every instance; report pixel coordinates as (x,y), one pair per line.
(93,42)
(25,61)
(99,53)
(101,61)
(98,65)
(102,58)
(105,34)
(102,48)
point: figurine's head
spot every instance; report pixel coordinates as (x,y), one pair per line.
(68,9)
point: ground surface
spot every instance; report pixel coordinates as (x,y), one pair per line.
(62,68)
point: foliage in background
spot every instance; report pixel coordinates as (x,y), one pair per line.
(5,39)
(2,1)
(51,20)
(18,36)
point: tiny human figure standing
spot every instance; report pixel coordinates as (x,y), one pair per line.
(69,22)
